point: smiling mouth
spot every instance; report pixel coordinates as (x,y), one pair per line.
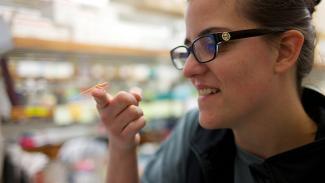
(208,91)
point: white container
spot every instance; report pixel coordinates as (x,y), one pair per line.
(5,38)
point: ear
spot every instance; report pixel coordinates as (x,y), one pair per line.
(289,50)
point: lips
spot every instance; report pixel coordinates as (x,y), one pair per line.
(205,89)
(208,91)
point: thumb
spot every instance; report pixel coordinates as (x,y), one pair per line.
(101,97)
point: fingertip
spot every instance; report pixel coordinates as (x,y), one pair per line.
(137,97)
(96,92)
(101,96)
(137,93)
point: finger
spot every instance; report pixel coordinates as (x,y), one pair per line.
(101,97)
(121,101)
(137,93)
(110,114)
(130,114)
(134,127)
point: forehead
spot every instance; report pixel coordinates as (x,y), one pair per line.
(204,14)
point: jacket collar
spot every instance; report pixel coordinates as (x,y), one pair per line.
(314,105)
(215,150)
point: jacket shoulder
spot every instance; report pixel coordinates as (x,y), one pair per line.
(169,162)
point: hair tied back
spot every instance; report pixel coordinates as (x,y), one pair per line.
(317,2)
(311,4)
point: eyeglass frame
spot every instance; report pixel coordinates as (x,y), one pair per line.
(222,37)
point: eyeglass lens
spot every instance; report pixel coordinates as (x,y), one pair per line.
(204,50)
(179,56)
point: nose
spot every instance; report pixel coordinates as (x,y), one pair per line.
(192,67)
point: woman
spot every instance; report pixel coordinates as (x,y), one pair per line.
(255,123)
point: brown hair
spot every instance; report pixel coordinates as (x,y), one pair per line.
(287,14)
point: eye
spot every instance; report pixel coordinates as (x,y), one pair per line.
(210,47)
(223,47)
(204,48)
(206,44)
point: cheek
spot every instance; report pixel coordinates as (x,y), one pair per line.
(246,77)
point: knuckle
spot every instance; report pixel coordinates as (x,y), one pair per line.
(121,93)
(125,98)
(134,111)
(125,133)
(134,127)
(142,122)
(139,124)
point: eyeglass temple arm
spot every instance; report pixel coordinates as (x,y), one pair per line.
(227,36)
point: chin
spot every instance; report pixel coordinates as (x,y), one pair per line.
(209,122)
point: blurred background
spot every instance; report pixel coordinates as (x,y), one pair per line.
(52,49)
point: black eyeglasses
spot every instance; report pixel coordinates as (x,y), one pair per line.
(205,48)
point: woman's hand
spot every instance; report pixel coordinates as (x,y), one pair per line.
(122,117)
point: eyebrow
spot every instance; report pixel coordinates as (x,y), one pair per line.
(208,31)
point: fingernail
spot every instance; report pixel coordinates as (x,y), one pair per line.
(140,111)
(137,90)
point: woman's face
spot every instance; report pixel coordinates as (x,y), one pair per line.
(242,73)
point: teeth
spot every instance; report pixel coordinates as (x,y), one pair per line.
(208,91)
